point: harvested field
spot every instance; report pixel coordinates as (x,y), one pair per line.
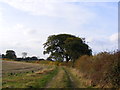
(14,67)
(31,75)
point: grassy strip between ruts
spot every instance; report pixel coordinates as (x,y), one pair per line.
(29,80)
(59,81)
(69,82)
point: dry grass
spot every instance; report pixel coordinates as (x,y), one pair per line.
(79,82)
(44,71)
(103,69)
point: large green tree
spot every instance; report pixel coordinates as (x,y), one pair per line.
(66,47)
(10,54)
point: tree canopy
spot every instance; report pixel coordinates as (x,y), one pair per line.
(10,54)
(66,46)
(24,54)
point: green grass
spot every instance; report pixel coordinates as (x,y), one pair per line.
(90,87)
(41,83)
(28,80)
(68,82)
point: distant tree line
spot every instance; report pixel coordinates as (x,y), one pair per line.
(61,47)
(10,54)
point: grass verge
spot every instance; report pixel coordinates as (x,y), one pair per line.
(28,80)
(41,83)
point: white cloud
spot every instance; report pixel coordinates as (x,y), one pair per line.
(30,32)
(21,38)
(54,9)
(14,34)
(1,16)
(36,7)
(90,0)
(89,40)
(114,37)
(19,26)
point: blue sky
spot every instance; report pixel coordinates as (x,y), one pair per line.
(26,24)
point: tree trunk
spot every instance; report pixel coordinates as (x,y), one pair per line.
(73,61)
(67,58)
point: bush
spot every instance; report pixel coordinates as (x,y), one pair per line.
(103,69)
(84,64)
(114,72)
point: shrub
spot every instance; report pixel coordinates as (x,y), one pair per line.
(84,64)
(103,69)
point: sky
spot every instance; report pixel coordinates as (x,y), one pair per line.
(26,24)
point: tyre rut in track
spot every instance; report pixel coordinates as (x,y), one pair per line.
(62,80)
(71,81)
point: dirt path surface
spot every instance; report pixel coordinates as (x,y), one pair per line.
(71,80)
(63,79)
(59,81)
